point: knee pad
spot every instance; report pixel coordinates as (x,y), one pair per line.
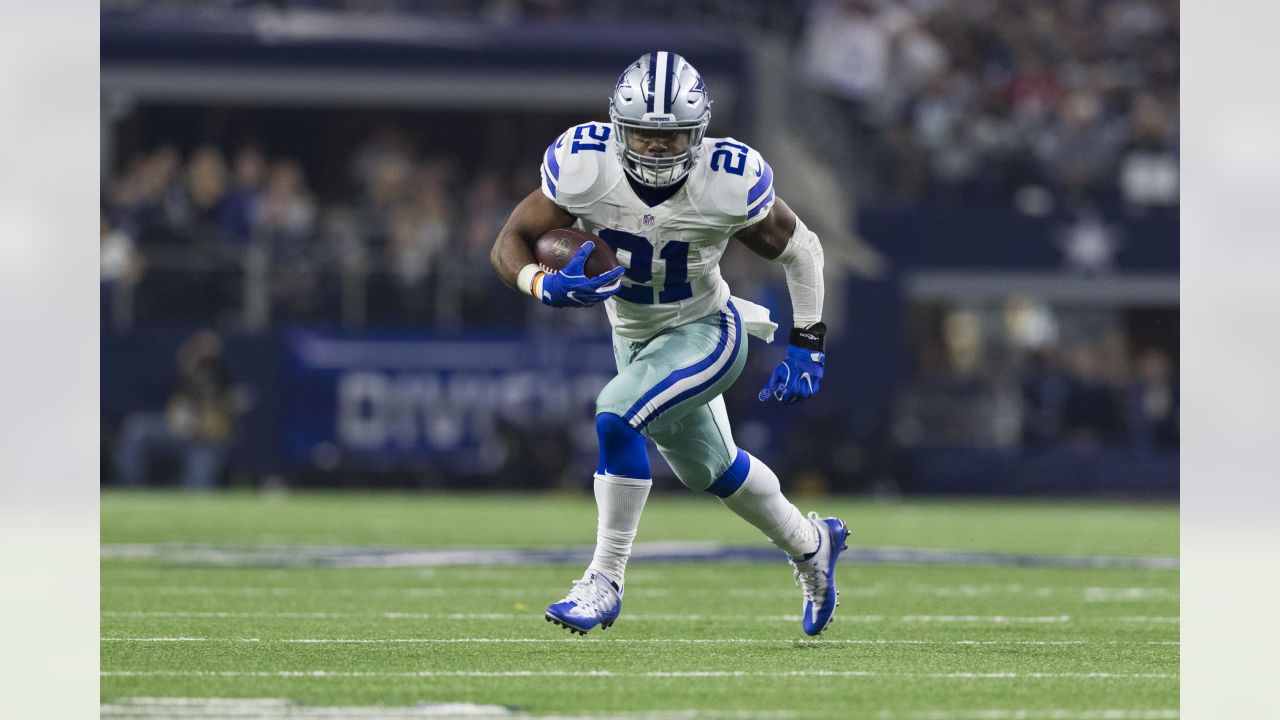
(622,450)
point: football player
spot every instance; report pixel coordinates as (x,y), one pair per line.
(668,199)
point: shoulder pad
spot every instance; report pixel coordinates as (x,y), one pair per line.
(574,167)
(739,183)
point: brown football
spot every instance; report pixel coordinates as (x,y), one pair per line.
(555,249)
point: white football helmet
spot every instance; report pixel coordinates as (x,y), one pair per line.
(659,92)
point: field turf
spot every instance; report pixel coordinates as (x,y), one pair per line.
(244,605)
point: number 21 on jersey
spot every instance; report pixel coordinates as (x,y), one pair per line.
(675,257)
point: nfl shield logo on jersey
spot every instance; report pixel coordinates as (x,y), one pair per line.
(648,220)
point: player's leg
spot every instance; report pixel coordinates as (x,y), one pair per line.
(621,487)
(700,449)
(622,484)
(656,380)
(688,423)
(653,378)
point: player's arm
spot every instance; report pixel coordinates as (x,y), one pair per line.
(513,250)
(512,257)
(783,238)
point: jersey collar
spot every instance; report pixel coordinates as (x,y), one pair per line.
(654,197)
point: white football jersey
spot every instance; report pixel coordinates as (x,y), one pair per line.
(671,251)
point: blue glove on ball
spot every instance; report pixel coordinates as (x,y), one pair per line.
(572,288)
(799,374)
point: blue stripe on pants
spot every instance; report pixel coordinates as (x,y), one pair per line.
(724,350)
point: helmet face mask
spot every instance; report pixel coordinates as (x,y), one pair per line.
(657,158)
(660,112)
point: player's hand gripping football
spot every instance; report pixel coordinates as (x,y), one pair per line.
(799,374)
(572,288)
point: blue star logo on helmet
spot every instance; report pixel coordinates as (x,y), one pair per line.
(699,87)
(622,79)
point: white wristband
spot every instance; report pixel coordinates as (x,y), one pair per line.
(529,280)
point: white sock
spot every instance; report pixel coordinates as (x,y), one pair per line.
(760,502)
(619,502)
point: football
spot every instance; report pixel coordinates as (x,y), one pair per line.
(555,249)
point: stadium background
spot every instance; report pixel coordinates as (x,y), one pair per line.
(299,199)
(298,202)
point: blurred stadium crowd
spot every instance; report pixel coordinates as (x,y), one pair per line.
(1017,101)
(1004,101)
(1020,104)
(1008,100)
(413,233)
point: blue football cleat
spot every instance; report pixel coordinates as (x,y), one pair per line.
(816,574)
(594,600)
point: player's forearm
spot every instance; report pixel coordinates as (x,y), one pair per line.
(802,260)
(513,250)
(511,253)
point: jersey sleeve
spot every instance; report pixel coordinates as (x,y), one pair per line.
(573,166)
(740,183)
(760,194)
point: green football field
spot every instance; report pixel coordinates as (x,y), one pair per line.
(431,605)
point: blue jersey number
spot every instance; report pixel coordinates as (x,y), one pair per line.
(733,164)
(676,288)
(675,255)
(595,132)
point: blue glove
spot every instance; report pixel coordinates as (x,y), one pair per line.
(572,288)
(799,374)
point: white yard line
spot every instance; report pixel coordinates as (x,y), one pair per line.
(1130,594)
(266,708)
(654,674)
(637,641)
(312,556)
(271,708)
(983,618)
(213,614)
(505,591)
(436,592)
(654,617)
(1111,714)
(1089,594)
(652,589)
(181,639)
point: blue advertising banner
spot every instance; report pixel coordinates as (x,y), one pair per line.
(406,401)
